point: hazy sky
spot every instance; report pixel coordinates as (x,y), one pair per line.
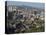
(33,4)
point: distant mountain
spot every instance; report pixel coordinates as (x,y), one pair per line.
(23,6)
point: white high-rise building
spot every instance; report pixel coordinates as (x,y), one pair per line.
(9,8)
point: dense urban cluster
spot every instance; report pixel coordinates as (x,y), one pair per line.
(24,19)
